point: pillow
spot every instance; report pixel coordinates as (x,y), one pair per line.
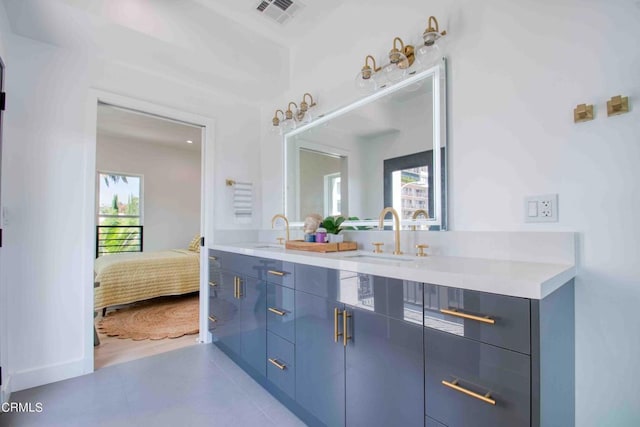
(194,245)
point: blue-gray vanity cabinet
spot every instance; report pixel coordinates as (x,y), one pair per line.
(253,316)
(430,422)
(319,358)
(469,383)
(224,309)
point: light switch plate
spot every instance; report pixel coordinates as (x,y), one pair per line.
(542,208)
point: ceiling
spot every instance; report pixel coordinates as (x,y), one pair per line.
(221,45)
(135,127)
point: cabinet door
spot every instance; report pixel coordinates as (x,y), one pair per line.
(253,294)
(384,368)
(319,359)
(281,311)
(224,307)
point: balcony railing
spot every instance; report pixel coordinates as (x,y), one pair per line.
(112,239)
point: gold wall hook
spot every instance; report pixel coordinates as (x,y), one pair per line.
(229,182)
(617,105)
(583,113)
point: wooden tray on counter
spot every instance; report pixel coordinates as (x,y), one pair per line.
(320,247)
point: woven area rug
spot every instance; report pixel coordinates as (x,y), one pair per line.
(166,317)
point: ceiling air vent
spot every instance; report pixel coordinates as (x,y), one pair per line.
(281,11)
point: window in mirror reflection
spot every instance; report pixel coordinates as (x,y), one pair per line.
(320,174)
(410,190)
(332,194)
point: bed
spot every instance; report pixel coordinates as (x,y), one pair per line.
(129,277)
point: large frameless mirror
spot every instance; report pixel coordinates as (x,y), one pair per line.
(388,149)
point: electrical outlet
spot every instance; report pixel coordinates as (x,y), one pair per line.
(541,208)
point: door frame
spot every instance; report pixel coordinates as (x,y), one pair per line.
(4,350)
(207,188)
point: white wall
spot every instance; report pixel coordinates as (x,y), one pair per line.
(47,156)
(517,70)
(171,187)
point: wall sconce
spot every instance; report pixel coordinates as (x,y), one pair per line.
(582,113)
(304,113)
(365,79)
(288,119)
(401,59)
(430,50)
(617,105)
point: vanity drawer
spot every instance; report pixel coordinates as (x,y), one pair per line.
(459,372)
(281,311)
(280,363)
(319,281)
(279,272)
(490,318)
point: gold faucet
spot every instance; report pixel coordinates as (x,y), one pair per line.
(396,222)
(416,214)
(286,223)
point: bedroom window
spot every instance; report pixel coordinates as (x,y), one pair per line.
(119,226)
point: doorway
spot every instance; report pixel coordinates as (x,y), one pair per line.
(152,188)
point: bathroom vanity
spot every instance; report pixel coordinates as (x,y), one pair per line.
(358,339)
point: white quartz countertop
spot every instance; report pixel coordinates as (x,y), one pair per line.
(514,278)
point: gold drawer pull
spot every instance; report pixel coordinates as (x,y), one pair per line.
(213,258)
(276,273)
(454,312)
(277,364)
(454,385)
(213,319)
(212,283)
(276,311)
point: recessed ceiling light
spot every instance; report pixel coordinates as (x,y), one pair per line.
(189,141)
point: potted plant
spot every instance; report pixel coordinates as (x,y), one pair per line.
(332,225)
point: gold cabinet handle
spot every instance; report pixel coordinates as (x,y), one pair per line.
(336,314)
(236,292)
(239,287)
(276,311)
(212,283)
(213,258)
(277,364)
(345,325)
(456,313)
(276,273)
(213,319)
(454,385)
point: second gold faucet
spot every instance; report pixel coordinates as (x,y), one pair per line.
(396,222)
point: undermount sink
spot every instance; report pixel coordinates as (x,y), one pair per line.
(365,257)
(268,246)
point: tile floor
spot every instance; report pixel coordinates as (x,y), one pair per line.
(193,386)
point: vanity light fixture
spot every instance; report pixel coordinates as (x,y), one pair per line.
(617,105)
(430,51)
(285,121)
(276,121)
(402,59)
(582,113)
(365,79)
(304,113)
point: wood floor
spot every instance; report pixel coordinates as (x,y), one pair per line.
(113,350)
